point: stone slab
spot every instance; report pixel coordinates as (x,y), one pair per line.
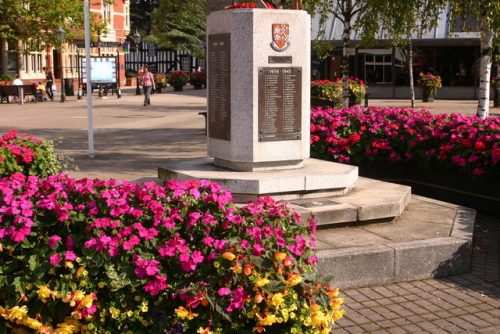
(316,175)
(367,200)
(404,249)
(360,266)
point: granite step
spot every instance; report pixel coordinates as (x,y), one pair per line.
(368,200)
(429,239)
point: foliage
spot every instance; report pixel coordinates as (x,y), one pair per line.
(119,257)
(332,91)
(129,73)
(177,78)
(28,155)
(198,78)
(5,77)
(140,14)
(397,135)
(36,21)
(429,81)
(160,80)
(179,24)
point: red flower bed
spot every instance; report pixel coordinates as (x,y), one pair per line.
(403,135)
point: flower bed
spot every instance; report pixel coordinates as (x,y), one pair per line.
(177,78)
(27,155)
(329,93)
(453,158)
(93,256)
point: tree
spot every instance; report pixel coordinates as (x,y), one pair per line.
(179,24)
(488,14)
(350,13)
(32,23)
(140,14)
(401,20)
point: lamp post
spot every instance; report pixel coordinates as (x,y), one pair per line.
(136,38)
(60,35)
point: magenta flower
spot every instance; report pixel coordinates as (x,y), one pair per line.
(55,259)
(53,241)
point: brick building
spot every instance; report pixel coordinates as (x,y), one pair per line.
(30,64)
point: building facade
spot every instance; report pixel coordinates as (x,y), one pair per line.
(66,60)
(451,50)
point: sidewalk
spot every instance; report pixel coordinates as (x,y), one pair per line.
(131,141)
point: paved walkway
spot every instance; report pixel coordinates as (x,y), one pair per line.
(131,141)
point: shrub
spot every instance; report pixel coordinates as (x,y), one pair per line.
(429,81)
(160,80)
(177,78)
(129,73)
(106,257)
(331,91)
(403,135)
(198,78)
(28,155)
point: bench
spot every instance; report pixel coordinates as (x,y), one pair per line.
(11,90)
(204,114)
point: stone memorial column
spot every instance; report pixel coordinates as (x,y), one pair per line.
(258,88)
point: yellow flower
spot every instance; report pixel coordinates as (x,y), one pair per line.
(202,330)
(279,256)
(216,264)
(144,306)
(87,301)
(228,256)
(16,313)
(262,282)
(183,313)
(69,326)
(32,323)
(114,312)
(101,284)
(277,299)
(268,320)
(43,293)
(294,279)
(338,314)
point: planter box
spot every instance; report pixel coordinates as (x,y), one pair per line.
(477,192)
(131,81)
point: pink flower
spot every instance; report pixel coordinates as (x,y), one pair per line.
(70,256)
(223,291)
(55,259)
(53,240)
(156,285)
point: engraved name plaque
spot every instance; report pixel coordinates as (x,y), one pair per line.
(280,103)
(219,86)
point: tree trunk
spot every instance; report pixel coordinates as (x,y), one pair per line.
(20,63)
(410,70)
(4,62)
(483,107)
(496,102)
(345,52)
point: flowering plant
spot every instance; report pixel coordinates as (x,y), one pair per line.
(198,78)
(28,155)
(160,80)
(331,91)
(403,135)
(249,5)
(328,91)
(429,81)
(177,78)
(119,257)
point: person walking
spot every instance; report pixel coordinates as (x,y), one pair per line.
(20,90)
(49,81)
(148,83)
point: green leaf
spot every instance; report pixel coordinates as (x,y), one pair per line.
(32,262)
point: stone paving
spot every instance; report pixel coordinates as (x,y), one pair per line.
(467,303)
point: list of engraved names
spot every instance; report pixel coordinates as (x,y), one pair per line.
(219,90)
(279,103)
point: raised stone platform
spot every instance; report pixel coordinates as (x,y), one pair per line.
(317,178)
(430,239)
(368,199)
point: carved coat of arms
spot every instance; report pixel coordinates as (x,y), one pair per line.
(280,37)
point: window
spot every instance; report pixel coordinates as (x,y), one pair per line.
(108,12)
(127,17)
(378,69)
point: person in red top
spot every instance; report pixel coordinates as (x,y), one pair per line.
(148,83)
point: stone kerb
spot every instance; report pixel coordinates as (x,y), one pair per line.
(236,98)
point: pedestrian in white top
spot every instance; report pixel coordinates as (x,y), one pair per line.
(20,91)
